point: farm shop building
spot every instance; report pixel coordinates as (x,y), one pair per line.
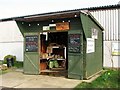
(67,41)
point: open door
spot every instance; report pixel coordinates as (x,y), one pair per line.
(75,61)
(31,53)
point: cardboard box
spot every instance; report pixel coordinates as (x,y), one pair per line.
(49,50)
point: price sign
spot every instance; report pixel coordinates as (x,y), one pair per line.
(74,43)
(31,43)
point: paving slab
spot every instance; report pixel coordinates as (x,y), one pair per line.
(43,81)
(16,79)
(20,80)
(13,79)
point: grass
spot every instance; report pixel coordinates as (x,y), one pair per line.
(0,62)
(109,79)
(17,64)
(4,71)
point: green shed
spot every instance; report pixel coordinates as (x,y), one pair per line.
(70,41)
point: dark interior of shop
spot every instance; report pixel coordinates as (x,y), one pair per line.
(54,51)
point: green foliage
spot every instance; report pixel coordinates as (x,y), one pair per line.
(1,62)
(9,56)
(18,64)
(4,71)
(109,79)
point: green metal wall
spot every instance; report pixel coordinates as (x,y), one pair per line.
(31,63)
(93,61)
(75,65)
(31,59)
(25,28)
(75,60)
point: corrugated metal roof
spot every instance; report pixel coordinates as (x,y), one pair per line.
(105,7)
(65,11)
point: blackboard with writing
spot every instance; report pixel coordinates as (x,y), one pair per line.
(31,43)
(74,43)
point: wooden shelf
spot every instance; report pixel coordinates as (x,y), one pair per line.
(47,70)
(54,70)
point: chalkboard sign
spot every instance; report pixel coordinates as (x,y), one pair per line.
(74,43)
(31,43)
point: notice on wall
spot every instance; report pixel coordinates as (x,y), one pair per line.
(46,28)
(94,33)
(52,25)
(90,45)
(116,48)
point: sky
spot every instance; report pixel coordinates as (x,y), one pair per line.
(14,8)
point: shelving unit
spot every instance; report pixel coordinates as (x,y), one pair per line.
(45,62)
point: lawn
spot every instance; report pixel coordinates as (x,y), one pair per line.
(109,79)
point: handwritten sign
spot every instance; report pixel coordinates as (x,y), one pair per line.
(31,43)
(90,45)
(74,43)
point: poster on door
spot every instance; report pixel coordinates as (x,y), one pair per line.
(90,45)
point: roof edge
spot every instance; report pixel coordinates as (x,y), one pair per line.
(91,16)
(89,9)
(86,12)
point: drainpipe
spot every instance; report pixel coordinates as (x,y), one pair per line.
(102,48)
(118,31)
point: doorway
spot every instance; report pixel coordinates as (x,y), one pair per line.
(54,53)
